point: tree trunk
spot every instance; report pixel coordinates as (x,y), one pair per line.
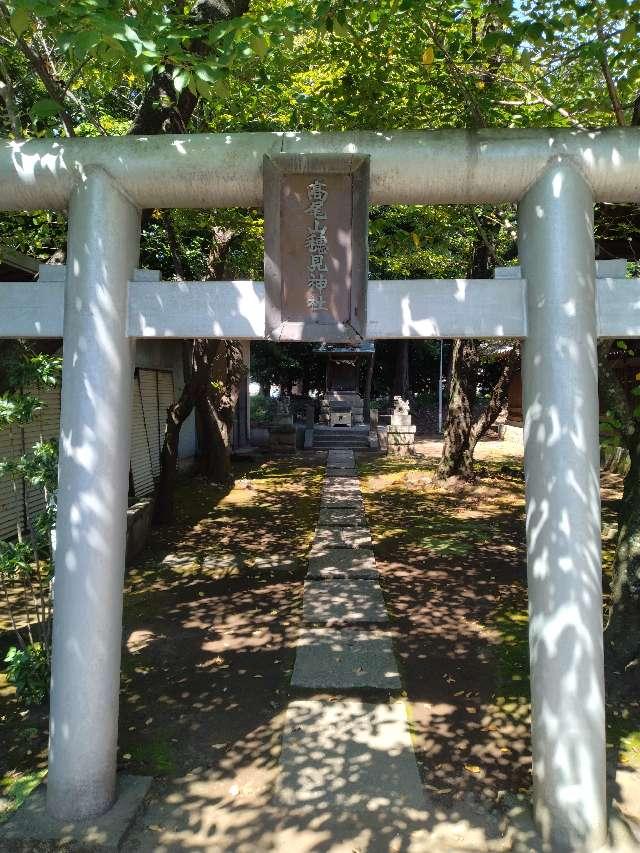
(196,360)
(496,403)
(622,635)
(462,433)
(215,461)
(459,442)
(163,110)
(367,387)
(163,510)
(217,410)
(212,388)
(457,460)
(401,384)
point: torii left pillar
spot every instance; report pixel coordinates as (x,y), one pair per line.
(95,429)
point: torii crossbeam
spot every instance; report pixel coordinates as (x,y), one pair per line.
(557,308)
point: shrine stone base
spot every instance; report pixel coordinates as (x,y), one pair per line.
(397,440)
(282,437)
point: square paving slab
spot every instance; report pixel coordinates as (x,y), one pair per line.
(335,471)
(347,499)
(350,493)
(341,484)
(340,537)
(345,757)
(341,459)
(343,602)
(345,659)
(342,517)
(343,563)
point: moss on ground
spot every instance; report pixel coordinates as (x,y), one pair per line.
(16,787)
(154,757)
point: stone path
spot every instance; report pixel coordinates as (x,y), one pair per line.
(348,774)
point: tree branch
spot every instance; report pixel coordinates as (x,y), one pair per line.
(612,89)
(497,399)
(179,264)
(6,93)
(457,75)
(53,86)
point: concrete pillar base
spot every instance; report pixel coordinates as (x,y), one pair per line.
(31,825)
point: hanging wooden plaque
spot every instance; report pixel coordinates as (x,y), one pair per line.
(315,265)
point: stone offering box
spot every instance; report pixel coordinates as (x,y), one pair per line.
(340,419)
(316,211)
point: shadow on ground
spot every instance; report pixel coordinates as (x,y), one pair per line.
(212,611)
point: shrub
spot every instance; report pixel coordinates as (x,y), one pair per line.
(26,567)
(262,409)
(28,670)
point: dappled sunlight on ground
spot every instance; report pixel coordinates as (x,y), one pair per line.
(209,638)
(211,618)
(453,563)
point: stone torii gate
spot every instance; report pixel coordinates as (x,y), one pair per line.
(558,308)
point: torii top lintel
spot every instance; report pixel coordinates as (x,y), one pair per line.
(407,167)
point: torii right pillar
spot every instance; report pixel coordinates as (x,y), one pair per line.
(562,465)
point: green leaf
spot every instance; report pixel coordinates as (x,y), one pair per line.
(259,46)
(85,41)
(334,26)
(221,88)
(131,34)
(180,79)
(44,108)
(628,34)
(203,88)
(205,74)
(428,55)
(493,39)
(20,20)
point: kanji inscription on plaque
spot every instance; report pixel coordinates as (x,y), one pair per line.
(316,218)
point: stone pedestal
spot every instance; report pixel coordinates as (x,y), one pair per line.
(401,440)
(398,438)
(282,437)
(282,433)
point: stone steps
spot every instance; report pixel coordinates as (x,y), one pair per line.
(353,444)
(324,439)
